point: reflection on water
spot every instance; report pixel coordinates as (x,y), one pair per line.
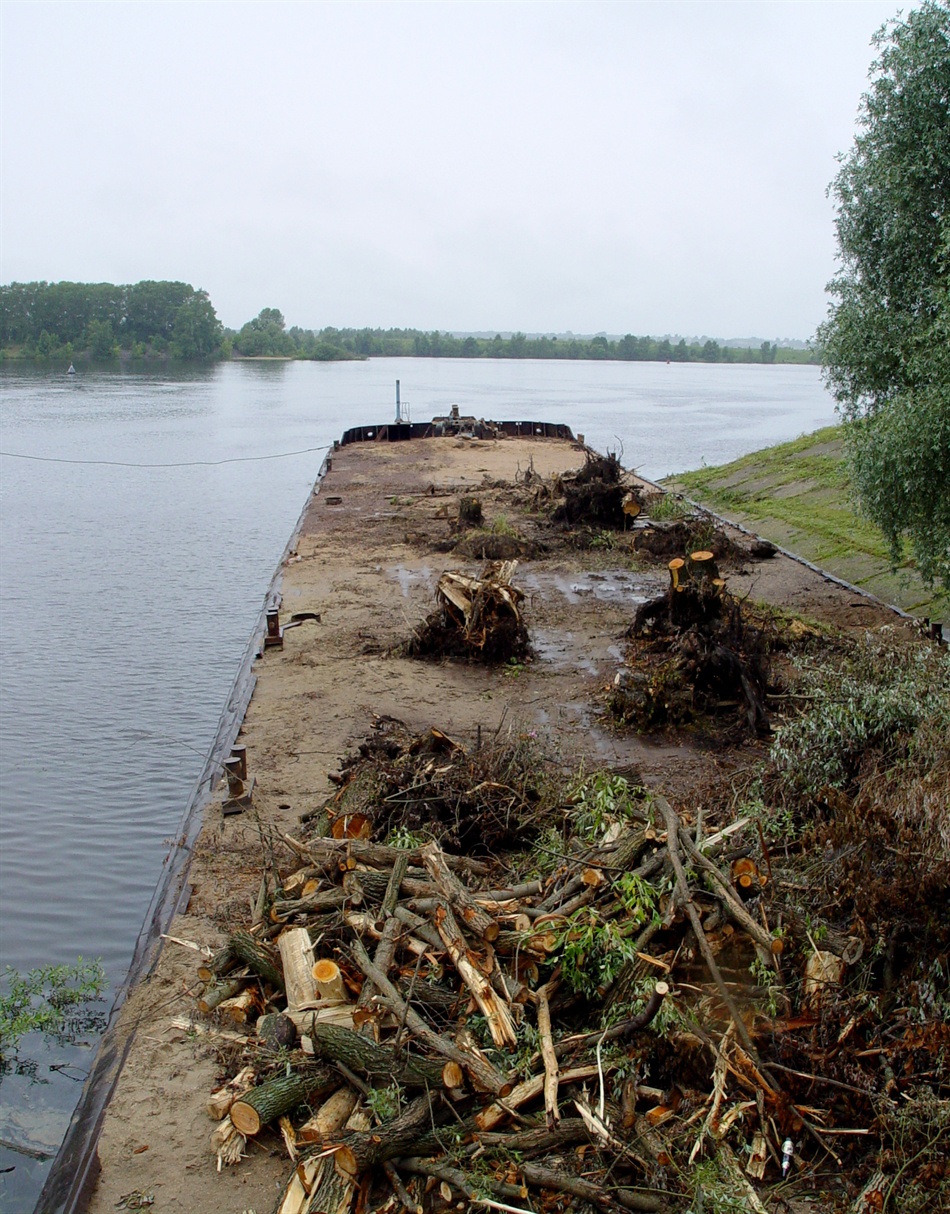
(127,594)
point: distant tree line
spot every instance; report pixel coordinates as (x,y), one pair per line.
(174,320)
(63,319)
(266,335)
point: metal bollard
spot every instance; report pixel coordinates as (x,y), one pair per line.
(232,767)
(274,638)
(239,753)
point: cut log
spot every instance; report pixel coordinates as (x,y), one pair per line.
(379,855)
(242,1007)
(221,1099)
(264,1104)
(220,963)
(364,1056)
(296,955)
(492,1008)
(452,1076)
(823,974)
(215,994)
(702,565)
(334,1191)
(566,1182)
(278,1031)
(333,1011)
(330,1118)
(477,920)
(328,981)
(257,957)
(871,1198)
(361,1150)
(493,1114)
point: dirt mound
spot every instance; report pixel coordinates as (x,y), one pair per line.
(685,535)
(495,546)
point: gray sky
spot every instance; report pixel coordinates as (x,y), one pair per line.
(628,167)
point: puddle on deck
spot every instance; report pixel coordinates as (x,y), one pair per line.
(607,585)
(407,578)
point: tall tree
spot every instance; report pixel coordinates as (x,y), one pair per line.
(886,343)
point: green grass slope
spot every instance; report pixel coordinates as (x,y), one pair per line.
(798,495)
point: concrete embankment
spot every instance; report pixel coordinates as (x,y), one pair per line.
(798,495)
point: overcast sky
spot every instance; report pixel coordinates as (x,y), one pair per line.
(621,167)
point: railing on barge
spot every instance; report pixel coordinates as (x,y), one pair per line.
(395,432)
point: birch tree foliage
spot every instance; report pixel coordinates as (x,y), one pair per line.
(886,342)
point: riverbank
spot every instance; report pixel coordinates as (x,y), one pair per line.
(797,495)
(373,543)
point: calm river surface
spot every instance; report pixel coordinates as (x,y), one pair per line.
(127,595)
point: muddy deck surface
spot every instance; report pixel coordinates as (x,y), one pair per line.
(367,562)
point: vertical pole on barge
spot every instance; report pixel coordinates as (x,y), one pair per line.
(398,411)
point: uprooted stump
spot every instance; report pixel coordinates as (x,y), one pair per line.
(693,652)
(477,618)
(594,495)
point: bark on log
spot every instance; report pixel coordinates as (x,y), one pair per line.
(264,1104)
(248,948)
(215,995)
(364,1056)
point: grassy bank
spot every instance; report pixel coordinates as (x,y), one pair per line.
(797,494)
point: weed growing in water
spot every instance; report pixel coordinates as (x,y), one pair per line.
(48,1000)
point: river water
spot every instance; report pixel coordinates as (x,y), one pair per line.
(127,594)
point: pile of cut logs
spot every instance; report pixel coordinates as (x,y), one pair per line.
(407,1024)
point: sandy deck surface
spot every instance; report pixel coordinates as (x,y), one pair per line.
(367,563)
